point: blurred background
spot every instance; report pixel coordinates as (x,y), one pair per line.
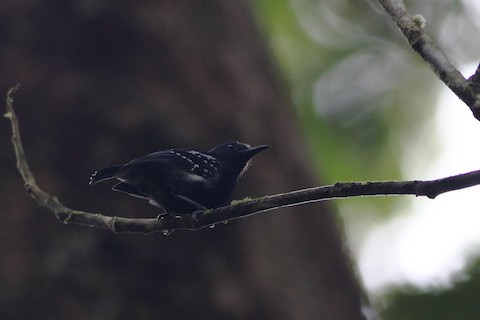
(331,85)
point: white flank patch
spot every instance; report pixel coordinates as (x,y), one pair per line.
(192,177)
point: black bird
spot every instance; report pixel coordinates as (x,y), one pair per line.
(183,181)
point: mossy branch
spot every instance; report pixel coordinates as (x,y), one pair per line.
(468,90)
(239,209)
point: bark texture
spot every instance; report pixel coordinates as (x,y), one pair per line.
(104,82)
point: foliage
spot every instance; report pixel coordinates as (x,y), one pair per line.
(358,103)
(460,301)
(367,105)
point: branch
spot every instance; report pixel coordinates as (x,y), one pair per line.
(239,209)
(412,27)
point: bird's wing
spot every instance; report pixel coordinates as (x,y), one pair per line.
(168,158)
(172,166)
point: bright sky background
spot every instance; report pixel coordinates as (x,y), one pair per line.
(432,240)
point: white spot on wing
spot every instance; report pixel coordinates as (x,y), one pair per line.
(201,155)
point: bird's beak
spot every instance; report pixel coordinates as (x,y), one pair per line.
(250,152)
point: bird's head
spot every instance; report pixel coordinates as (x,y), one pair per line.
(236,154)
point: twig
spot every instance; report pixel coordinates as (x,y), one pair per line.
(428,188)
(412,27)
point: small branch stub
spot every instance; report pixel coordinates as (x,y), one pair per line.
(412,28)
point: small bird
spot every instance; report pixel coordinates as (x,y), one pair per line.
(183,181)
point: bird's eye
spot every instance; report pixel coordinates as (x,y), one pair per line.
(231,146)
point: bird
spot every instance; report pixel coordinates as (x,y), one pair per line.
(183,181)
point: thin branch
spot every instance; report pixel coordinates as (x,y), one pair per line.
(412,27)
(240,209)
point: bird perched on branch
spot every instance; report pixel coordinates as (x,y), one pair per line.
(183,181)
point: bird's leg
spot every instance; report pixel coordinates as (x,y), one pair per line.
(200,208)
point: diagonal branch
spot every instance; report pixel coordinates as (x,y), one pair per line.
(239,209)
(412,27)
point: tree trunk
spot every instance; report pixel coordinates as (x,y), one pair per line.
(105,82)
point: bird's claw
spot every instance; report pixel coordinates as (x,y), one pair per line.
(160,217)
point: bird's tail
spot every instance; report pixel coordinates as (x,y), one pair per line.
(103,174)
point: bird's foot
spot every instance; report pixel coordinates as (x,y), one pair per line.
(161,216)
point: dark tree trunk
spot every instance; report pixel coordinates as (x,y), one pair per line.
(104,82)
